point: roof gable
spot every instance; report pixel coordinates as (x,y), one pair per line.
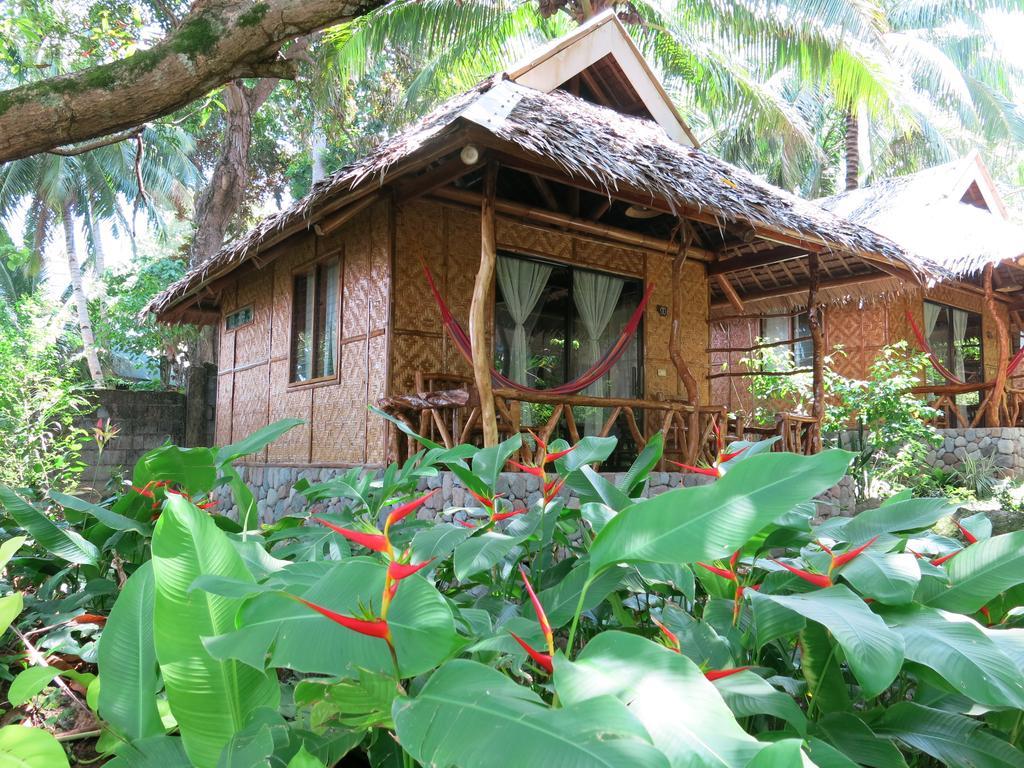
(604,57)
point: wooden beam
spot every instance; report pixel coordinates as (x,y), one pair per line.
(600,209)
(754,260)
(324,227)
(817,348)
(545,192)
(528,213)
(447,171)
(998,394)
(675,351)
(730,293)
(478,307)
(789,290)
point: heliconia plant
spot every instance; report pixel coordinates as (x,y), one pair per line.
(720,625)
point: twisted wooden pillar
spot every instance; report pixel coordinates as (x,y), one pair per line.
(676,343)
(478,308)
(998,394)
(817,350)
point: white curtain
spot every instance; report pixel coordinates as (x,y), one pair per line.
(959,332)
(330,277)
(931,317)
(596,296)
(522,282)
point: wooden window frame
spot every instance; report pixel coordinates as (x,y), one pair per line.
(951,341)
(250,321)
(307,267)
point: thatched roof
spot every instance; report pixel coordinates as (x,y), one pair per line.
(597,145)
(936,213)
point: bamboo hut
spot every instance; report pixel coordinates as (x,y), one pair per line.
(551,205)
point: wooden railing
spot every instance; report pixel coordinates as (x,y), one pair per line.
(446,409)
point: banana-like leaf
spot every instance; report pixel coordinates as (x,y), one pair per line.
(747,694)
(889,578)
(959,650)
(982,571)
(127,660)
(257,441)
(681,710)
(9,548)
(787,753)
(711,521)
(873,651)
(10,606)
(950,738)
(106,516)
(473,716)
(855,739)
(211,699)
(22,747)
(481,552)
(909,515)
(65,544)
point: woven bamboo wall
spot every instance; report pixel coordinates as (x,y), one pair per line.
(448,239)
(731,391)
(253,387)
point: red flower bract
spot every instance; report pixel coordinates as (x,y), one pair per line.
(718,571)
(541,616)
(400,512)
(506,515)
(969,537)
(535,471)
(670,636)
(944,558)
(718,674)
(543,659)
(709,471)
(374,541)
(371,628)
(840,560)
(816,579)
(399,571)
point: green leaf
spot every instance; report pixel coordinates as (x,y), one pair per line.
(683,712)
(560,601)
(959,650)
(825,755)
(9,548)
(711,521)
(30,682)
(747,694)
(633,480)
(481,552)
(296,637)
(589,450)
(852,736)
(65,544)
(302,759)
(439,540)
(211,699)
(950,738)
(10,606)
(248,513)
(982,571)
(873,651)
(787,753)
(257,441)
(191,468)
(153,752)
(489,463)
(106,516)
(911,515)
(772,622)
(889,578)
(471,716)
(605,490)
(228,587)
(127,660)
(22,747)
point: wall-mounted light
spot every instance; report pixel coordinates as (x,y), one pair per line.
(470,154)
(663,310)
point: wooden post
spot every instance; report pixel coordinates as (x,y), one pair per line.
(817,351)
(998,393)
(675,347)
(478,308)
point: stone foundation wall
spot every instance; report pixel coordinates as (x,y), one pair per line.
(1004,444)
(276,497)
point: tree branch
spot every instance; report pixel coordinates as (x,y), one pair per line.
(89,146)
(220,40)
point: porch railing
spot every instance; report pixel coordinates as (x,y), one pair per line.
(446,409)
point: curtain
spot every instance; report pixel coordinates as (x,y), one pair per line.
(330,322)
(522,282)
(596,296)
(959,332)
(931,317)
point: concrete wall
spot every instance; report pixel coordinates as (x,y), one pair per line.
(145,420)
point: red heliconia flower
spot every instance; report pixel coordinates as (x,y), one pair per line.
(944,558)
(719,571)
(499,516)
(540,443)
(709,471)
(824,548)
(403,511)
(539,609)
(375,541)
(816,579)
(839,561)
(988,616)
(549,457)
(207,505)
(398,571)
(370,627)
(670,636)
(553,488)
(734,559)
(144,491)
(465,523)
(535,471)
(718,674)
(969,537)
(918,555)
(489,503)
(543,659)
(724,457)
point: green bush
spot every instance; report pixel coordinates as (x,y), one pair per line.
(708,626)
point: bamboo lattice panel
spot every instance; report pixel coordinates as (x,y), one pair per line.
(249,404)
(293,446)
(356,301)
(299,250)
(252,340)
(529,240)
(222,415)
(860,332)
(376,432)
(419,235)
(609,257)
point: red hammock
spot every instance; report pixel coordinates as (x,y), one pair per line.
(581,382)
(937,364)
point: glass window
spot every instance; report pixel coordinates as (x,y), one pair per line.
(955,337)
(315,322)
(553,322)
(788,329)
(238,318)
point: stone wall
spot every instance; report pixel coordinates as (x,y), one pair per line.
(1004,444)
(144,420)
(275,497)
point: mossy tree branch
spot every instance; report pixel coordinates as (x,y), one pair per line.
(219,41)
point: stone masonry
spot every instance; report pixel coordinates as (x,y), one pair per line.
(1005,444)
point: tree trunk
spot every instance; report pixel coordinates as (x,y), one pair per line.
(81,303)
(219,41)
(478,309)
(99,255)
(998,394)
(852,150)
(317,152)
(817,350)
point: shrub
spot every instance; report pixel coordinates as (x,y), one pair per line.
(714,625)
